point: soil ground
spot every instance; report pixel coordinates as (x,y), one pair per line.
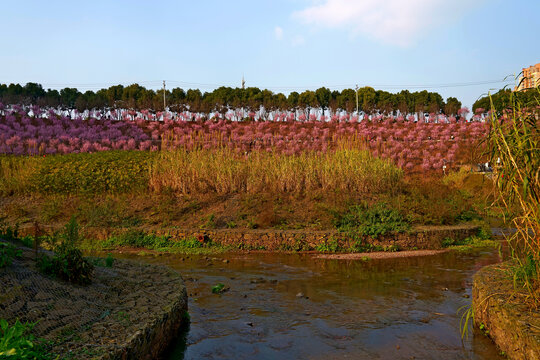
(381,254)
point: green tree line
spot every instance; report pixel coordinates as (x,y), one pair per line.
(506,99)
(223,98)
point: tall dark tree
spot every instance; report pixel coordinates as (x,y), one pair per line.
(33,92)
(69,96)
(452,106)
(323,97)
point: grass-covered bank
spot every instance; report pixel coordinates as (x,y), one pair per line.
(481,240)
(221,171)
(209,190)
(464,238)
(139,241)
(140,199)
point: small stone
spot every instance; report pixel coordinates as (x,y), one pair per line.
(226,261)
(300,295)
(397,347)
(466,296)
(249,324)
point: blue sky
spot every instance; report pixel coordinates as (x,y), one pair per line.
(282,45)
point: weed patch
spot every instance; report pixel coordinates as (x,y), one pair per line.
(17,342)
(7,253)
(68,262)
(363,220)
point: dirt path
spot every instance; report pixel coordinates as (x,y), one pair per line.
(380,255)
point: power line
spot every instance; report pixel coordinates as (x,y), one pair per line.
(380,86)
(158,83)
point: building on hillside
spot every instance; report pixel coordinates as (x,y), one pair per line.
(530,78)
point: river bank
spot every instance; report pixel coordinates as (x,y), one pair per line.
(131,310)
(215,241)
(124,307)
(501,312)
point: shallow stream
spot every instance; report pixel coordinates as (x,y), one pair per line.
(295,306)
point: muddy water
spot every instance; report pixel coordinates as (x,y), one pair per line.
(297,307)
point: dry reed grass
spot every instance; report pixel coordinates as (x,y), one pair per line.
(515,145)
(349,168)
(16,173)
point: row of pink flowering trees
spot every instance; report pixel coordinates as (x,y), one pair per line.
(413,143)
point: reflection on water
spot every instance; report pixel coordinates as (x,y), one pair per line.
(282,306)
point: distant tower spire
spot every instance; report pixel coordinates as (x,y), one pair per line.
(243,82)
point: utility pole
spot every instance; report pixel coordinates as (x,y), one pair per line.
(356,99)
(164,104)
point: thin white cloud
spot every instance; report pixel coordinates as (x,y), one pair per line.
(398,22)
(298,40)
(278,33)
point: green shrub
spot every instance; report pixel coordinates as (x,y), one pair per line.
(138,238)
(68,262)
(332,245)
(448,242)
(190,243)
(7,253)
(17,342)
(109,260)
(467,215)
(526,269)
(12,234)
(484,233)
(379,219)
(469,243)
(69,265)
(8,233)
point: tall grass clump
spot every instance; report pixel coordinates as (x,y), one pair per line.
(16,173)
(515,146)
(224,171)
